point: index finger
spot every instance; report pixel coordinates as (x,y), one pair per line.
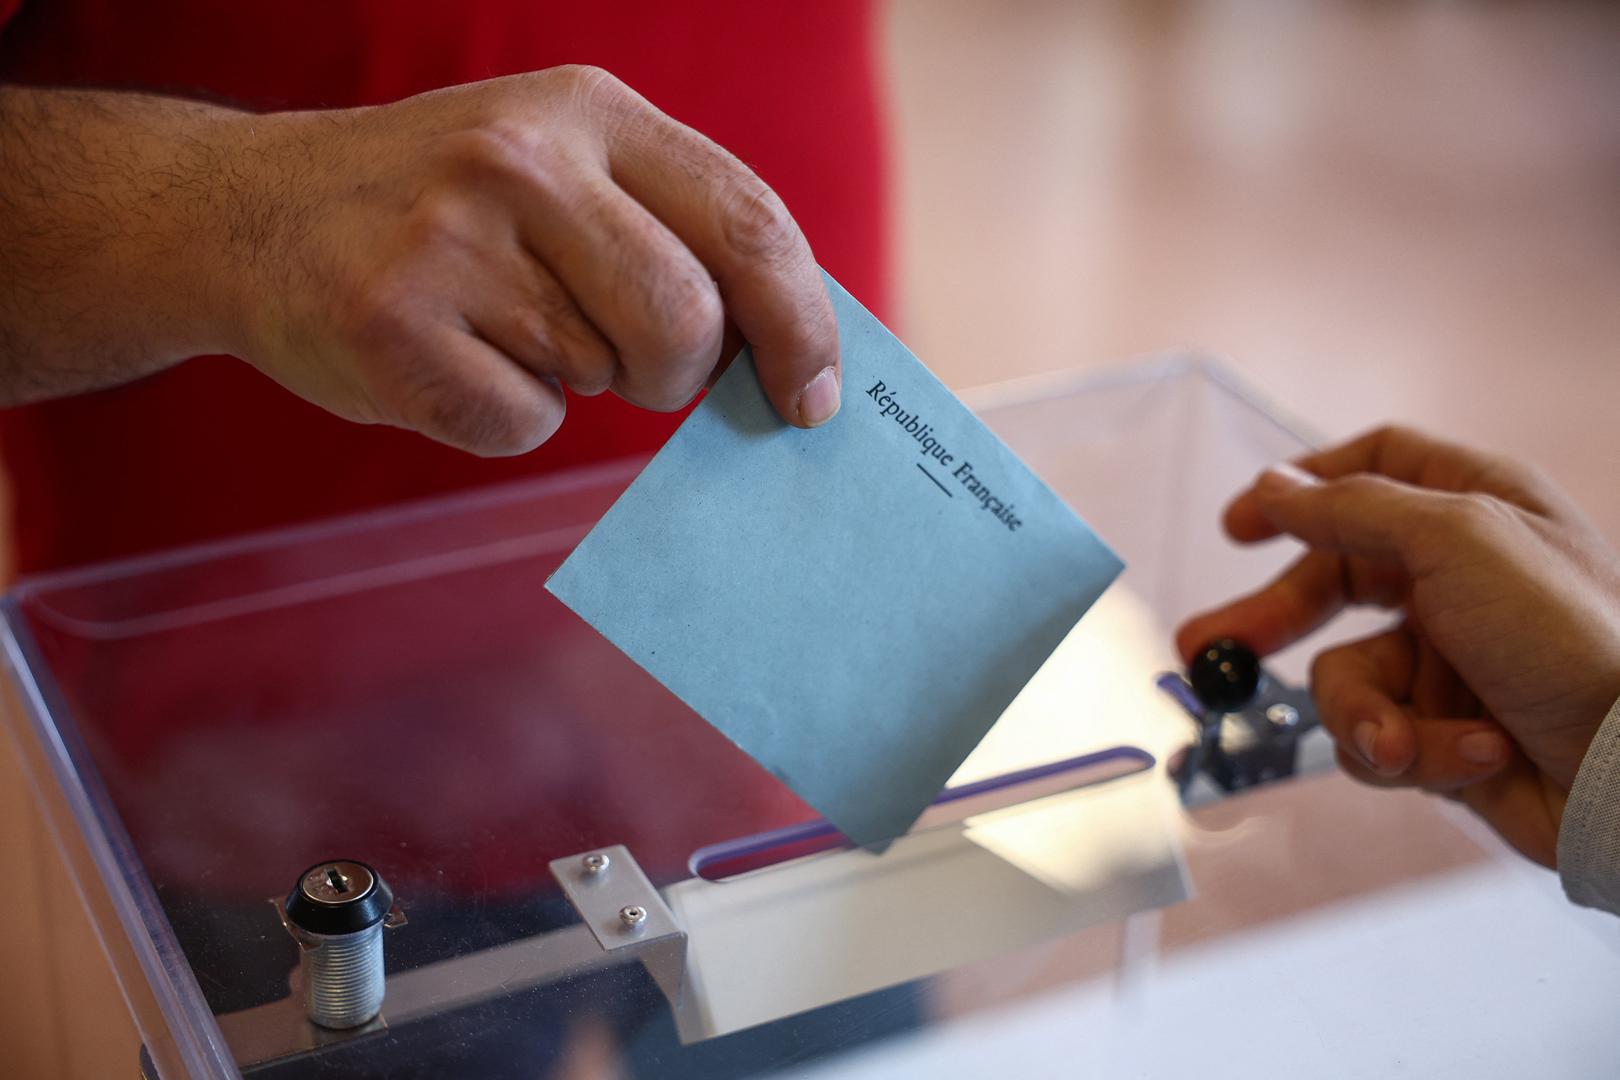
(1304,596)
(1410,456)
(743,234)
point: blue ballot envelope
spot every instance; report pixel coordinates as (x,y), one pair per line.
(852,605)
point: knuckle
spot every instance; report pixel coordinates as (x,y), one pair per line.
(485,423)
(437,222)
(1393,443)
(1395,434)
(412,396)
(659,394)
(757,224)
(1321,674)
(554,347)
(1330,689)
(679,344)
(537,339)
(1362,485)
(1350,497)
(1518,483)
(521,426)
(1477,514)
(591,377)
(663,392)
(590,87)
(1532,478)
(693,319)
(497,148)
(372,316)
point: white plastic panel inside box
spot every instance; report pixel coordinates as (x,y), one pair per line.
(828,927)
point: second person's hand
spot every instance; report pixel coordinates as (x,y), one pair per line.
(1507,659)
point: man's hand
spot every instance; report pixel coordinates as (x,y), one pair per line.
(444,264)
(1508,657)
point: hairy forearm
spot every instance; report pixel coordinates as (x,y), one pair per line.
(119,217)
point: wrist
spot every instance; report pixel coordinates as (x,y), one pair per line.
(127,227)
(1587,858)
(235,235)
(271,232)
(171,266)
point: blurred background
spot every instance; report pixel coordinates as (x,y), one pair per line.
(1374,211)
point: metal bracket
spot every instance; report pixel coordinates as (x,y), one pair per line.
(625,913)
(1245,747)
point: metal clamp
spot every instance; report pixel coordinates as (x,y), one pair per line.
(1246,738)
(625,913)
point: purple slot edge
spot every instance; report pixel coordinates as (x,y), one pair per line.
(759,843)
(1177,687)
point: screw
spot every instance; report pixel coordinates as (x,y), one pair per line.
(595,862)
(1282,715)
(633,915)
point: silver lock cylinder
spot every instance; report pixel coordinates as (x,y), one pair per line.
(336,912)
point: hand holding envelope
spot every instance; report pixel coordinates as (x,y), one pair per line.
(853,605)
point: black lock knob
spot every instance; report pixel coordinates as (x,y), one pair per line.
(339,897)
(1225,675)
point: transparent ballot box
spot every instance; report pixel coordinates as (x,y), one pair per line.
(586,878)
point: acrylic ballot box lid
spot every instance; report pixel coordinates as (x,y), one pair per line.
(398,688)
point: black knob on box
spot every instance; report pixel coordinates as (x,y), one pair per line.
(1225,675)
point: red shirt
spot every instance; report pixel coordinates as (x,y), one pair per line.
(208,449)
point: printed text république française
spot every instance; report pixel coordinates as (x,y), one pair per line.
(931,447)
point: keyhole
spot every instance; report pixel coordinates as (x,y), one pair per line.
(335,878)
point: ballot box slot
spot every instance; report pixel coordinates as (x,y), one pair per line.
(730,858)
